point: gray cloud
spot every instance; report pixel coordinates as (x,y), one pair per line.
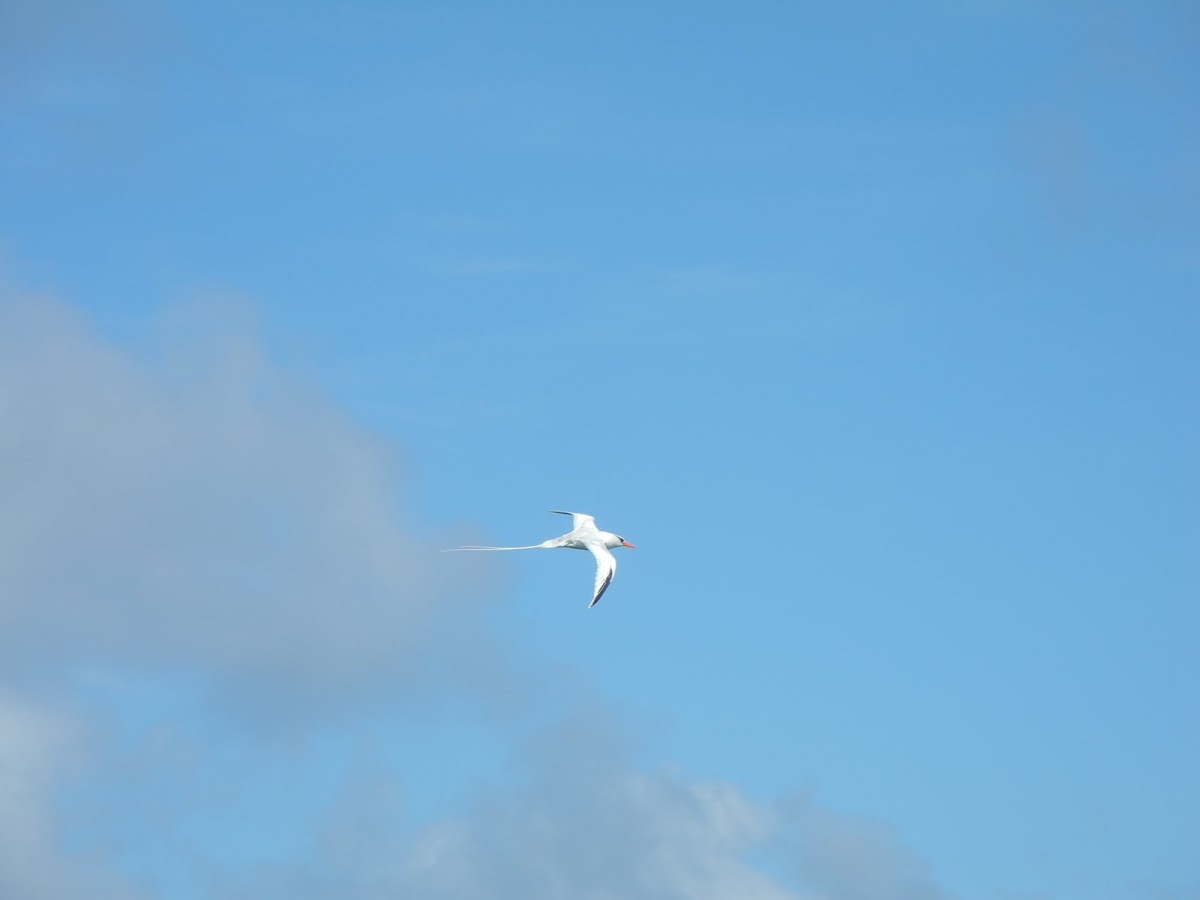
(589,823)
(38,747)
(584,818)
(581,819)
(852,858)
(209,515)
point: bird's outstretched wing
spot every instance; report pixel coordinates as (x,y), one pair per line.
(606,568)
(578,520)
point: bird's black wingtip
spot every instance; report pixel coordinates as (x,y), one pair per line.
(603,588)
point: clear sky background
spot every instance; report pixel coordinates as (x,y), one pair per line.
(874,326)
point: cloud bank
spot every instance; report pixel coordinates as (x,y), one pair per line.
(202,516)
(208,515)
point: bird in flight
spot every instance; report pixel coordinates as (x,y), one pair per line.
(583,536)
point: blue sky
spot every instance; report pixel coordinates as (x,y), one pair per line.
(875,329)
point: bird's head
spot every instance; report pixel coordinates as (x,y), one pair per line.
(621,542)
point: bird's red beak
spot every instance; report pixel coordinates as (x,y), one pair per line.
(627,544)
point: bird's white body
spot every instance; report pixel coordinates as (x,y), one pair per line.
(584,536)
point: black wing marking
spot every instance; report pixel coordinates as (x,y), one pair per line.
(603,587)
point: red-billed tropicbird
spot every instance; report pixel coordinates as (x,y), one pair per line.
(584,536)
